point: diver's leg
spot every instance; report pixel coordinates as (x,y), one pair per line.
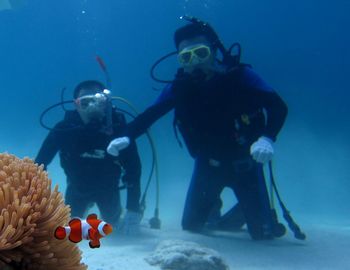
(202,194)
(250,188)
(232,220)
(78,201)
(215,214)
(109,204)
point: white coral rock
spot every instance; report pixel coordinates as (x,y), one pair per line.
(182,255)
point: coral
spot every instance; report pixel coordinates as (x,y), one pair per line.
(182,255)
(30,212)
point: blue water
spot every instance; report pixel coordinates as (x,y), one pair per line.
(300,47)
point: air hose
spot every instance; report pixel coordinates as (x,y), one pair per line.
(298,234)
(155,222)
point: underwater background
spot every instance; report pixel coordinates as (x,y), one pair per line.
(301,48)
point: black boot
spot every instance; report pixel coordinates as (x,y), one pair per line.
(232,220)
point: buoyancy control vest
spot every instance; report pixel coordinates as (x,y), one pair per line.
(217,118)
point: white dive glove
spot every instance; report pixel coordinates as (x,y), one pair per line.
(117,145)
(262,150)
(130,225)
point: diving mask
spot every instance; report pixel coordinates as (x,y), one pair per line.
(96,100)
(93,106)
(194,55)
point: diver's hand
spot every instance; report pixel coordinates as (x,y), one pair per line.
(262,150)
(117,145)
(130,225)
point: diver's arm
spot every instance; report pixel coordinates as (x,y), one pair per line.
(266,98)
(48,150)
(131,163)
(142,122)
(276,112)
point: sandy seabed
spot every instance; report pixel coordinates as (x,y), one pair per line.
(326,247)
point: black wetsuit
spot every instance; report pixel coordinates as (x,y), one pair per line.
(219,120)
(92,174)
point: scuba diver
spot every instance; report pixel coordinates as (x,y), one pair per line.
(93,175)
(229,118)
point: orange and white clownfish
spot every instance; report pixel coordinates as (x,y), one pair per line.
(92,229)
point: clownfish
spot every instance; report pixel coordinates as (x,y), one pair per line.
(92,229)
